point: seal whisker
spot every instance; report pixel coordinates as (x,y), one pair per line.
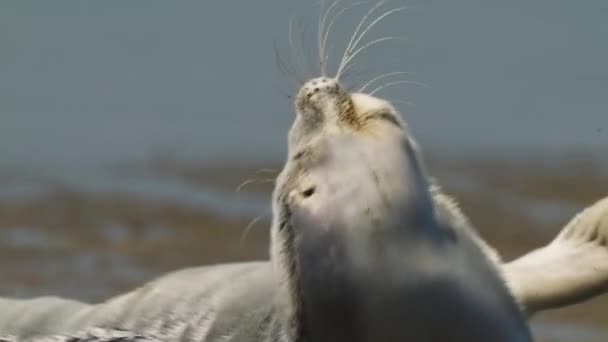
(354,36)
(376,21)
(377,78)
(350,70)
(296,49)
(252,181)
(321,32)
(248,228)
(398,82)
(285,68)
(332,21)
(362,48)
(286,74)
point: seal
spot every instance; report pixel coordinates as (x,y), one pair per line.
(571,269)
(360,248)
(364,247)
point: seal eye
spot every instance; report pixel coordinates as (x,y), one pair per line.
(308,192)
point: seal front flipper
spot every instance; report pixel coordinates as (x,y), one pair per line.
(570,269)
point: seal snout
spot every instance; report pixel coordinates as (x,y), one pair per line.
(314,92)
(320,85)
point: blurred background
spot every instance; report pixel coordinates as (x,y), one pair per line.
(126,129)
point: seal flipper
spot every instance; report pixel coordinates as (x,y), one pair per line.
(570,269)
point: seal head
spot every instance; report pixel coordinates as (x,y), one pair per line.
(358,244)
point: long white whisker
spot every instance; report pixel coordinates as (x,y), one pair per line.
(375,79)
(322,35)
(370,26)
(251,181)
(359,50)
(348,70)
(331,24)
(398,82)
(244,184)
(355,34)
(248,228)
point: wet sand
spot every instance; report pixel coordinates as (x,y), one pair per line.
(72,241)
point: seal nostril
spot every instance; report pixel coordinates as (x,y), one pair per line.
(308,192)
(316,90)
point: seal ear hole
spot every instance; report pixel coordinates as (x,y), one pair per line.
(308,192)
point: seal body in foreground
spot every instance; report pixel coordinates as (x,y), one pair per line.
(361,249)
(364,248)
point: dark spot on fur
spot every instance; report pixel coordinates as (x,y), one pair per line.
(285,217)
(299,155)
(308,192)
